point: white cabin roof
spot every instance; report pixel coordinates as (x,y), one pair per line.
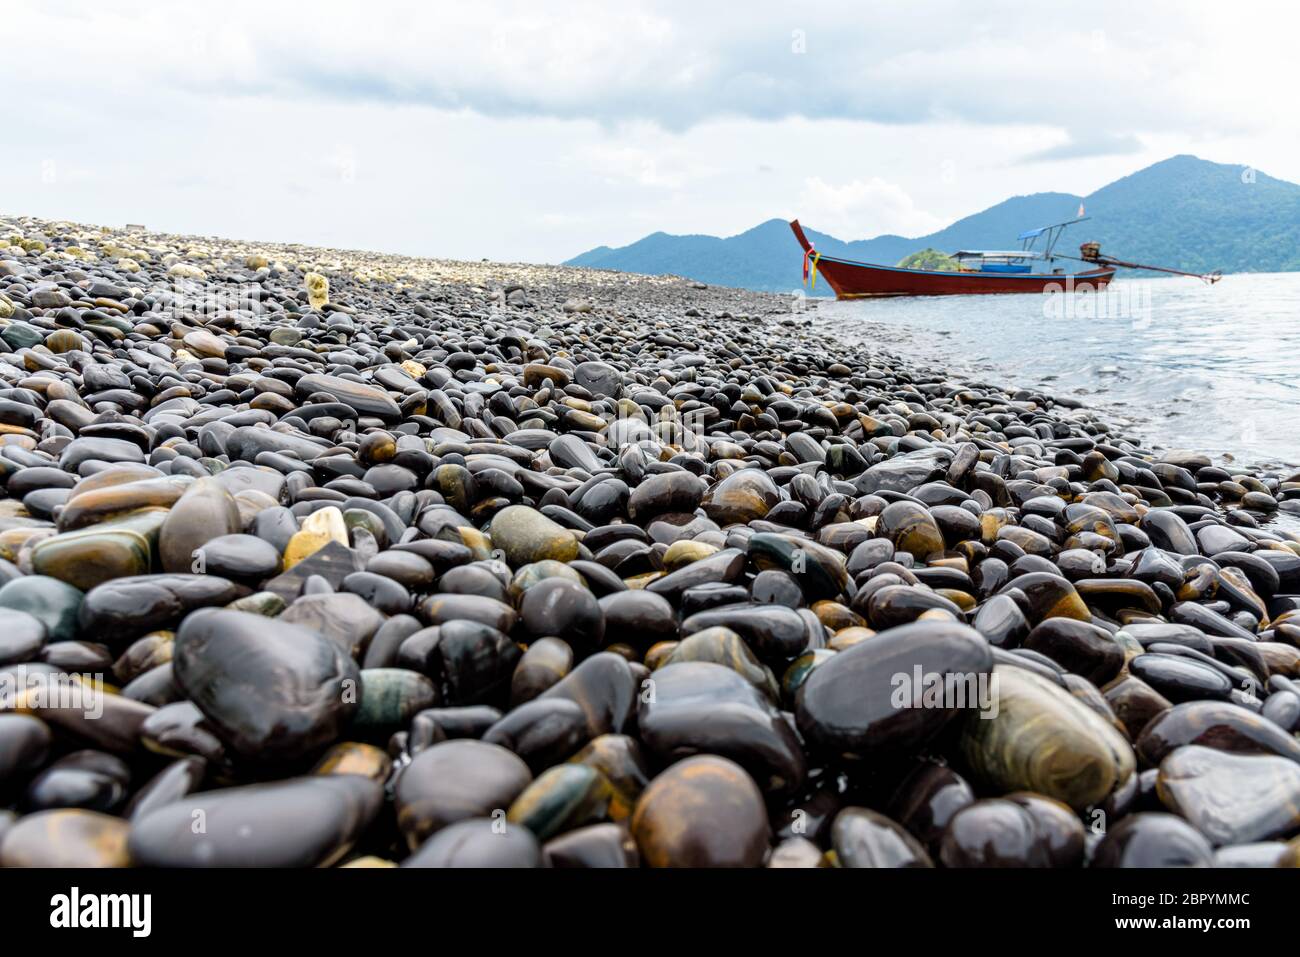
(997,254)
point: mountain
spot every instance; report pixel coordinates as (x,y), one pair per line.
(1182,212)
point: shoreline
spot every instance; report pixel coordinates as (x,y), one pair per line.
(468,563)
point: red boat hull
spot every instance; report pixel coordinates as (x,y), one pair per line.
(855,280)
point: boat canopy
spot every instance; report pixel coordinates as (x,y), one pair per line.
(1049,235)
(1035,233)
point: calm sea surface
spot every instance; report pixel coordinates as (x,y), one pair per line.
(1174,362)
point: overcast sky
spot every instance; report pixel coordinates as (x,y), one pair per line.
(536,130)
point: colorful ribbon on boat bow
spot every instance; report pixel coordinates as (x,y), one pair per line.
(810,258)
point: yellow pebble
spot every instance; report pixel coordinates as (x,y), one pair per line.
(321,527)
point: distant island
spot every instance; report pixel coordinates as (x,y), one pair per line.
(1183,212)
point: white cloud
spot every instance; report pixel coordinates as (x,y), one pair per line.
(863,208)
(509,129)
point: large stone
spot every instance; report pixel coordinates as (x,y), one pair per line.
(302,822)
(272,691)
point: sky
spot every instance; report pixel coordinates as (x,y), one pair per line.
(533,131)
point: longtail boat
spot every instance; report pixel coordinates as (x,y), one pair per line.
(980,272)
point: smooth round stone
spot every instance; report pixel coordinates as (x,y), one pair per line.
(640,618)
(894,605)
(669,492)
(864,838)
(1058,826)
(469,662)
(125,608)
(855,705)
(546,661)
(385,645)
(409,570)
(66,838)
(538,572)
(1262,854)
(301,822)
(90,507)
(206,511)
(382,594)
(926,800)
(91,556)
(1050,596)
(599,378)
(319,529)
(597,845)
(77,656)
(1181,679)
(179,779)
(1135,703)
(24,744)
(1116,596)
(703,811)
(65,340)
(391,697)
(1000,620)
(605,687)
(566,610)
(241,558)
(698,707)
(479,842)
(525,535)
(722,646)
(1152,839)
(265,603)
(741,497)
(772,632)
(909,527)
(204,344)
(91,780)
(272,691)
(570,452)
(1044,739)
(21,636)
(542,732)
(1168,532)
(388,480)
(836,616)
(619,759)
(820,571)
(443,608)
(993,833)
(456,485)
(454,781)
(355,757)
(98,449)
(365,399)
(1078,646)
(442,724)
(563,798)
(52,602)
(796,852)
(799,670)
(723,567)
(1215,539)
(1231,798)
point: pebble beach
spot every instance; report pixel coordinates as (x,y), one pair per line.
(315,557)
